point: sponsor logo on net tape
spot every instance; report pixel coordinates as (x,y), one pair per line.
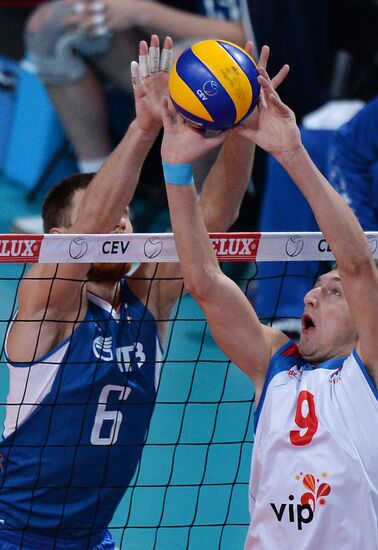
(20,248)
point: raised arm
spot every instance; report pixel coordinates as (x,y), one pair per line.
(231,318)
(54,293)
(278,134)
(220,200)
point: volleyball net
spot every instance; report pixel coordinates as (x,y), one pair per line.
(190,486)
(160,247)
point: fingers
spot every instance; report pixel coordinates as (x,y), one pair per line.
(282,73)
(264,56)
(136,78)
(97,6)
(249,47)
(264,74)
(271,96)
(149,57)
(98,24)
(267,89)
(167,55)
(78,8)
(144,60)
(171,117)
(154,54)
(90,16)
(278,105)
(280,76)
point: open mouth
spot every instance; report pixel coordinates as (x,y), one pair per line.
(307,322)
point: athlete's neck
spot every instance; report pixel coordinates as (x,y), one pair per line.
(107,290)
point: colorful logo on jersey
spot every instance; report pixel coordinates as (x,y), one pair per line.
(102,348)
(296,372)
(336,376)
(303,512)
(316,490)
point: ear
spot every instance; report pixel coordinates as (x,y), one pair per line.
(56,231)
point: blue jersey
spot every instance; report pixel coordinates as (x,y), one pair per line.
(220,9)
(353,164)
(77,420)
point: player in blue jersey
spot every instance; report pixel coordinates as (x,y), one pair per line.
(353,164)
(84,349)
(315,451)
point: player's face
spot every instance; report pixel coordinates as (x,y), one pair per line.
(327,326)
(106,271)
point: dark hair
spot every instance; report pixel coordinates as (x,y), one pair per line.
(57,206)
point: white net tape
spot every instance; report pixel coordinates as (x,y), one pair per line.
(147,247)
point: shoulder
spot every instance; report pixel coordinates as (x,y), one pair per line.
(138,304)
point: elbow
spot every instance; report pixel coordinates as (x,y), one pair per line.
(221,220)
(232,218)
(358,267)
(201,284)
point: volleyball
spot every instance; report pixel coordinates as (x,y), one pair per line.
(213,84)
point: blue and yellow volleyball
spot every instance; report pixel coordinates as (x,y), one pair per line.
(213,84)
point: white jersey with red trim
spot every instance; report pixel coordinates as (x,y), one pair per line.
(314,476)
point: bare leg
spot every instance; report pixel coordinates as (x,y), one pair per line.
(82,106)
(82,109)
(72,84)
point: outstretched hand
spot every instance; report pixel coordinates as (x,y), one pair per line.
(182,143)
(276,130)
(252,120)
(149,78)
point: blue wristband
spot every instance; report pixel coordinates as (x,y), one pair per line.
(178,174)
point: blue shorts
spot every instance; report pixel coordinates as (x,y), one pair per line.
(16,540)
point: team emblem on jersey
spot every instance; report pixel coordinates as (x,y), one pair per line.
(102,348)
(127,356)
(295,371)
(336,376)
(303,512)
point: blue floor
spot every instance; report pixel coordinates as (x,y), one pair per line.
(191,488)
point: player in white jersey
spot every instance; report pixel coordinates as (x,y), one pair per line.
(84,348)
(314,475)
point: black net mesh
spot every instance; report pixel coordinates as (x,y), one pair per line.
(188,462)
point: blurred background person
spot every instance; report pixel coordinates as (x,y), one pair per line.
(80,48)
(331,47)
(353,164)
